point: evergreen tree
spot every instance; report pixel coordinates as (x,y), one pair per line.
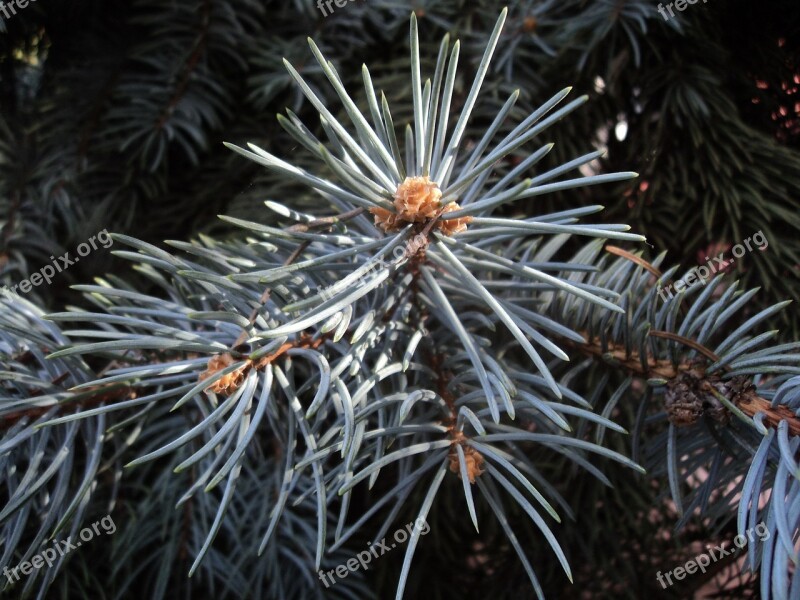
(415,331)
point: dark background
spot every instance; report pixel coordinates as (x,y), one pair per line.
(113,114)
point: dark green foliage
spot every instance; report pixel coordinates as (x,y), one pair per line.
(509,384)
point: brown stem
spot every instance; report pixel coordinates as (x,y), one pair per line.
(194,58)
(102,394)
(687,342)
(749,402)
(634,259)
(301,227)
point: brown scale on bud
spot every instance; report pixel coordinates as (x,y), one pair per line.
(227,384)
(385,219)
(473,458)
(452,226)
(417,200)
(691,394)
